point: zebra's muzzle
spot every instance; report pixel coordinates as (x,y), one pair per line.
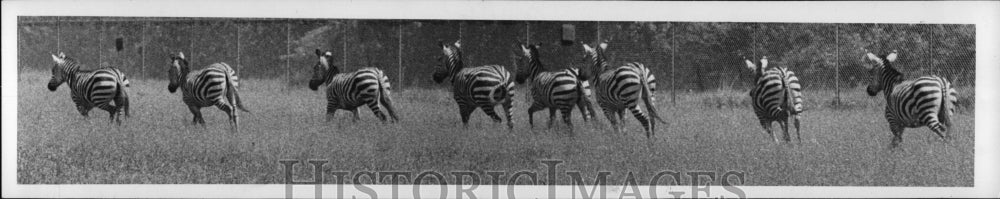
(53,85)
(871,92)
(314,84)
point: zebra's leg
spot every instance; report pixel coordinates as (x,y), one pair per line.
(84,110)
(196,119)
(784,127)
(552,117)
(112,112)
(355,113)
(373,105)
(566,114)
(897,135)
(234,120)
(465,112)
(767,129)
(643,120)
(531,114)
(508,107)
(797,134)
(621,117)
(488,109)
(330,112)
(935,125)
(611,119)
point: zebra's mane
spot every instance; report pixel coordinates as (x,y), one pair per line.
(455,62)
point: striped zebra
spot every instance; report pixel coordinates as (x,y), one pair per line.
(924,101)
(215,85)
(481,87)
(348,91)
(621,88)
(560,90)
(103,88)
(776,96)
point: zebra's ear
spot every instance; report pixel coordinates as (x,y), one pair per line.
(874,58)
(62,55)
(458,44)
(891,57)
(750,65)
(604,45)
(763,62)
(180,55)
(58,60)
(587,48)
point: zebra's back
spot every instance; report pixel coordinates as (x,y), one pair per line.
(915,102)
(618,88)
(476,85)
(350,90)
(769,97)
(208,86)
(97,87)
(556,89)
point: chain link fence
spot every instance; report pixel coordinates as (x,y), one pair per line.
(686,56)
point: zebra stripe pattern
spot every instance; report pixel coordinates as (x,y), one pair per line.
(92,88)
(560,90)
(924,101)
(621,88)
(348,91)
(776,96)
(481,87)
(215,85)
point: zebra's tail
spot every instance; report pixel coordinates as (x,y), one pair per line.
(948,99)
(233,94)
(504,88)
(384,98)
(647,95)
(581,99)
(123,102)
(789,101)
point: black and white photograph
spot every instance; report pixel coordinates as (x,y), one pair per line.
(477,99)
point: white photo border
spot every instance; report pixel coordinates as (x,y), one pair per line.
(985,16)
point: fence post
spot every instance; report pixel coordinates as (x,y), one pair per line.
(100,42)
(58,35)
(142,49)
(238,63)
(399,55)
(598,32)
(288,51)
(836,63)
(673,52)
(345,36)
(191,37)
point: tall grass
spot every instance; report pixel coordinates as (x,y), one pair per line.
(714,131)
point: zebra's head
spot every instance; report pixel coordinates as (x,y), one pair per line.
(530,53)
(178,69)
(883,75)
(61,71)
(757,70)
(596,57)
(451,63)
(323,70)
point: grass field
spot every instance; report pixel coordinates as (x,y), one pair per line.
(713,131)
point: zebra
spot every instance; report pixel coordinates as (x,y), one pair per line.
(367,86)
(924,101)
(776,96)
(215,85)
(92,88)
(553,90)
(476,87)
(621,88)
